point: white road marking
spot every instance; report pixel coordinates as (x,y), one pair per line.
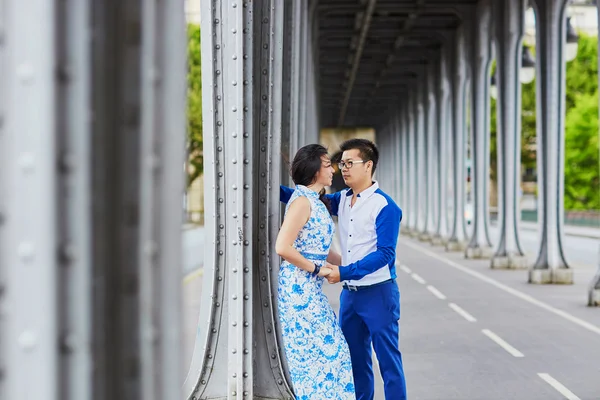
(584,324)
(405,269)
(418,278)
(558,386)
(462,312)
(436,292)
(502,343)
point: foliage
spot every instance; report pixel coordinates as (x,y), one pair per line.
(194,107)
(581,128)
(581,154)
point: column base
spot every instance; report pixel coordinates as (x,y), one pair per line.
(424,237)
(559,276)
(414,234)
(594,298)
(484,253)
(455,245)
(510,262)
(438,241)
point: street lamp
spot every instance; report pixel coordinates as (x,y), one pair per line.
(572,41)
(527,66)
(493,87)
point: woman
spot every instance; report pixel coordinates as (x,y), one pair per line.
(317,353)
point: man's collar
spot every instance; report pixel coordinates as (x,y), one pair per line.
(367,192)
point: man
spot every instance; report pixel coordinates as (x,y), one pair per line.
(369,222)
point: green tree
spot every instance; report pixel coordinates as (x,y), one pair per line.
(194,107)
(581,154)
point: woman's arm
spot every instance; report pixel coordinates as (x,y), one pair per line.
(297,216)
(334,258)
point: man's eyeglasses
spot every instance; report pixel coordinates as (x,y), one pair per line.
(348,164)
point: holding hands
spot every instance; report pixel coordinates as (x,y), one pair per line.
(334,275)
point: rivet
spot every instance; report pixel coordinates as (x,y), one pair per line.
(234,83)
(234,297)
(234,161)
(273,356)
(234,31)
(246,269)
(204,383)
(246,297)
(246,351)
(280,382)
(234,5)
(246,324)
(233,242)
(220,278)
(220,174)
(219,148)
(27,340)
(264,278)
(264,97)
(262,200)
(246,162)
(214,330)
(26,251)
(269,330)
(234,323)
(234,215)
(27,162)
(246,215)
(218,72)
(25,73)
(234,135)
(263,148)
(245,84)
(246,134)
(262,226)
(220,200)
(234,393)
(221,226)
(234,375)
(216,21)
(234,57)
(265,20)
(265,46)
(217,47)
(245,374)
(219,97)
(219,123)
(235,270)
(246,243)
(245,109)
(245,56)
(209,356)
(218,304)
(266,305)
(234,351)
(246,187)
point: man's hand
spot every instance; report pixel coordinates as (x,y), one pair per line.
(324,271)
(334,276)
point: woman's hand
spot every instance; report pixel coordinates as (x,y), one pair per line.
(324,271)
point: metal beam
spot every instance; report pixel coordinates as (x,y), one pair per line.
(366,24)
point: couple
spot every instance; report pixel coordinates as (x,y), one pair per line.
(327,362)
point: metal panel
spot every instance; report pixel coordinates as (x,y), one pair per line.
(30,309)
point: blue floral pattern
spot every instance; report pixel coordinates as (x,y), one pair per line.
(316,350)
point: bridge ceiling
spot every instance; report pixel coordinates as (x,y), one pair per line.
(370,52)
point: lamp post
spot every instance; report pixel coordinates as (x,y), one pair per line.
(527,66)
(493,87)
(572,41)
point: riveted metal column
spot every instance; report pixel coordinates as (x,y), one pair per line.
(551,265)
(480,61)
(163,114)
(444,137)
(237,354)
(421,142)
(509,31)
(404,171)
(4,160)
(594,290)
(29,300)
(457,240)
(411,207)
(432,85)
(397,132)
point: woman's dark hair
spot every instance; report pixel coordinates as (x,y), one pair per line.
(307,162)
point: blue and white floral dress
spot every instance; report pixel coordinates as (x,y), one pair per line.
(316,350)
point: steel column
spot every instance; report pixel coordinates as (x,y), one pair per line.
(29,223)
(551,265)
(163,91)
(238,352)
(444,137)
(421,143)
(594,290)
(412,164)
(509,32)
(457,240)
(480,61)
(432,86)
